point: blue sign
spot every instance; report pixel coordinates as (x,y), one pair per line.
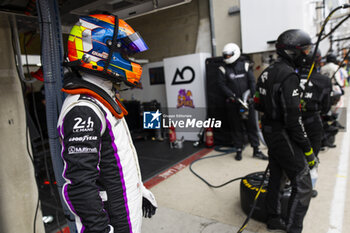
(151,120)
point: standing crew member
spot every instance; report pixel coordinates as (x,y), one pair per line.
(103,187)
(289,149)
(234,79)
(316,100)
(331,69)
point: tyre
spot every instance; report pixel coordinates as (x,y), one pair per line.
(249,188)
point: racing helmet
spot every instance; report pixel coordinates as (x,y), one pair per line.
(332,58)
(231,53)
(100,44)
(294,45)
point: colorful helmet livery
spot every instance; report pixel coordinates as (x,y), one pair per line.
(100,49)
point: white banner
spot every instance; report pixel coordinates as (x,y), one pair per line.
(185,89)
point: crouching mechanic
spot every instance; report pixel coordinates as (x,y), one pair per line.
(289,149)
(103,187)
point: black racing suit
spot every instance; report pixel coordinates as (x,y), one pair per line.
(316,100)
(277,96)
(234,79)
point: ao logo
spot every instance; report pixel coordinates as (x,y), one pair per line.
(186,75)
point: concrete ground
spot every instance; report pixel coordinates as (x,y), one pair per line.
(187,205)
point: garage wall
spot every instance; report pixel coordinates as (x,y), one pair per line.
(179,30)
(226,27)
(148,92)
(174,31)
(186,29)
(18,189)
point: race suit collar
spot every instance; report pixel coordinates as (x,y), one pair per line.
(97,88)
(106,85)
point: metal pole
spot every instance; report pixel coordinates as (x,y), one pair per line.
(212,29)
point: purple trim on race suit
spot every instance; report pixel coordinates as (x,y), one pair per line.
(120,171)
(65,192)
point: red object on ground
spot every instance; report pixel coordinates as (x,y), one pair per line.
(172,134)
(209,137)
(64,230)
(38,74)
(176,168)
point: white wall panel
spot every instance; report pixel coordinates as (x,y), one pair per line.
(265,20)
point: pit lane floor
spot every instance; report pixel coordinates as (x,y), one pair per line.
(187,205)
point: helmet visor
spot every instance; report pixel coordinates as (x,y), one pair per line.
(306,49)
(227,55)
(134,43)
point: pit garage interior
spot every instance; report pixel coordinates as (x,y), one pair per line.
(179,34)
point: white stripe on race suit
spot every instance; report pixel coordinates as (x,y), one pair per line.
(339,196)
